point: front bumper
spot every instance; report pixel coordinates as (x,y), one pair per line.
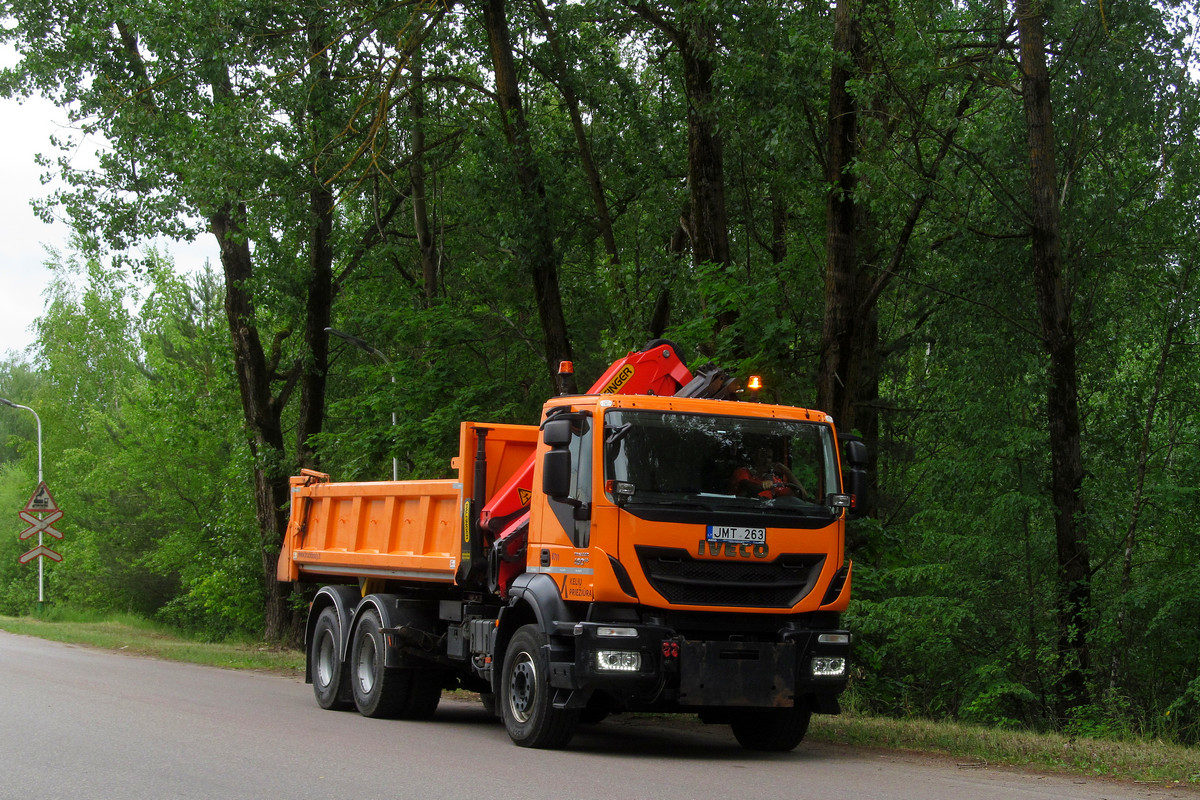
(675,673)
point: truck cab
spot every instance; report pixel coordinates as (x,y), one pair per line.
(688,577)
(657,495)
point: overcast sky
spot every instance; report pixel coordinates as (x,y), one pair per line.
(25,130)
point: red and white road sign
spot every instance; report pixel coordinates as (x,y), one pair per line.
(41,500)
(41,551)
(40,525)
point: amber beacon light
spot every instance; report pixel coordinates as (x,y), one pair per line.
(565,370)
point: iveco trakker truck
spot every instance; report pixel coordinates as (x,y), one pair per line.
(653,545)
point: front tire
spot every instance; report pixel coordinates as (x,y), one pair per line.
(526,698)
(330,686)
(773,730)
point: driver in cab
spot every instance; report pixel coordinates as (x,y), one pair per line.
(766,478)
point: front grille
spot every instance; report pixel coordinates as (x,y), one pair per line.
(683,579)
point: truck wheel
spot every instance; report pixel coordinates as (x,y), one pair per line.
(325,660)
(378,691)
(489,703)
(424,694)
(771,729)
(526,699)
(424,682)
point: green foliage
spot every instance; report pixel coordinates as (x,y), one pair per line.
(955,606)
(18,584)
(143,453)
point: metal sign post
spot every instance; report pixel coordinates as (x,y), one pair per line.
(41,502)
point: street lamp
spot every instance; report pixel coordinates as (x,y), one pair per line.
(41,567)
(375,353)
(11,404)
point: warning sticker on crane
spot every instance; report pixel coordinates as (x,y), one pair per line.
(620,379)
(524,495)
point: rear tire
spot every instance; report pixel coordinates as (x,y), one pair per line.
(425,680)
(526,698)
(379,692)
(384,692)
(775,730)
(425,694)
(489,703)
(330,686)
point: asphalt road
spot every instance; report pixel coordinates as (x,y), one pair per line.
(83,724)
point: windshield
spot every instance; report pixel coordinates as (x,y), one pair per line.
(719,463)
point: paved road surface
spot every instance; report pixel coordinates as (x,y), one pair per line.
(82,724)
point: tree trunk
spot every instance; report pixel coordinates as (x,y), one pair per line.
(416,172)
(539,252)
(857,269)
(264,430)
(837,371)
(314,373)
(708,220)
(566,85)
(1058,341)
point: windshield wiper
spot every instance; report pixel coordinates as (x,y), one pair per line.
(616,434)
(671,501)
(807,510)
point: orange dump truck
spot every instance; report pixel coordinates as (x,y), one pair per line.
(651,553)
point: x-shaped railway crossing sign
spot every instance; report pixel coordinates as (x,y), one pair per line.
(41,525)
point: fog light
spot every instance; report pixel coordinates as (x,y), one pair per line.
(618,660)
(828,666)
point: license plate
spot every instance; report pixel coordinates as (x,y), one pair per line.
(722,533)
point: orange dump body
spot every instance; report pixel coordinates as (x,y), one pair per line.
(412,530)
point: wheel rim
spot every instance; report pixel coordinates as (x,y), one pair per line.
(522,688)
(325,659)
(365,671)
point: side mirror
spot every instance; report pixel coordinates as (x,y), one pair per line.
(556,470)
(856,452)
(557,432)
(854,479)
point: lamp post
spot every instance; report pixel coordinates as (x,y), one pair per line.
(375,353)
(41,567)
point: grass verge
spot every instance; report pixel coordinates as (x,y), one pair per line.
(1150,762)
(1140,761)
(131,634)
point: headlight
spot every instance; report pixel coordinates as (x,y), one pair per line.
(618,660)
(828,667)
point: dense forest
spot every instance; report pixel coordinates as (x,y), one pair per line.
(969,231)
